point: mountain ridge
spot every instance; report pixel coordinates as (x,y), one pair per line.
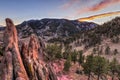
(54,28)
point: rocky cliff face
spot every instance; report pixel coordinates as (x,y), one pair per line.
(24,63)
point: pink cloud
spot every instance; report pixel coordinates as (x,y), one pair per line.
(103,4)
(99,6)
(69,4)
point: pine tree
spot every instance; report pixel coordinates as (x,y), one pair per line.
(94,51)
(58,55)
(67,64)
(113,67)
(100,66)
(67,51)
(100,51)
(107,50)
(115,52)
(54,51)
(81,57)
(74,56)
(88,66)
(118,71)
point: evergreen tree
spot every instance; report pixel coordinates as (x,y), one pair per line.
(115,52)
(67,51)
(113,67)
(100,66)
(58,55)
(67,64)
(115,39)
(107,50)
(100,51)
(88,66)
(54,51)
(81,57)
(118,71)
(94,51)
(74,56)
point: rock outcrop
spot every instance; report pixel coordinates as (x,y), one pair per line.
(24,63)
(13,64)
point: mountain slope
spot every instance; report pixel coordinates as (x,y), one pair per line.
(1,28)
(109,29)
(53,28)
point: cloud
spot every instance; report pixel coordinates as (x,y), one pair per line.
(101,5)
(93,8)
(99,16)
(69,4)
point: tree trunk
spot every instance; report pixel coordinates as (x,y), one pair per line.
(89,77)
(98,76)
(113,76)
(118,78)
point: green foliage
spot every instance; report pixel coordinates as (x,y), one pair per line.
(118,71)
(74,56)
(54,51)
(100,66)
(67,64)
(58,55)
(81,57)
(115,52)
(67,51)
(107,50)
(1,52)
(109,29)
(53,40)
(114,67)
(88,66)
(115,39)
(92,39)
(94,51)
(65,54)
(95,64)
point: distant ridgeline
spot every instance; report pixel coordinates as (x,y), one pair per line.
(53,29)
(67,31)
(2,28)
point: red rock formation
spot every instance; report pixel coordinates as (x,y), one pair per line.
(11,49)
(6,67)
(25,64)
(36,68)
(10,35)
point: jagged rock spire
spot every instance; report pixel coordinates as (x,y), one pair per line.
(26,63)
(10,35)
(11,48)
(35,67)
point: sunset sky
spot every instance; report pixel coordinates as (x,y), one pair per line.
(21,10)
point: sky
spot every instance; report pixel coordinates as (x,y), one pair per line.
(22,10)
